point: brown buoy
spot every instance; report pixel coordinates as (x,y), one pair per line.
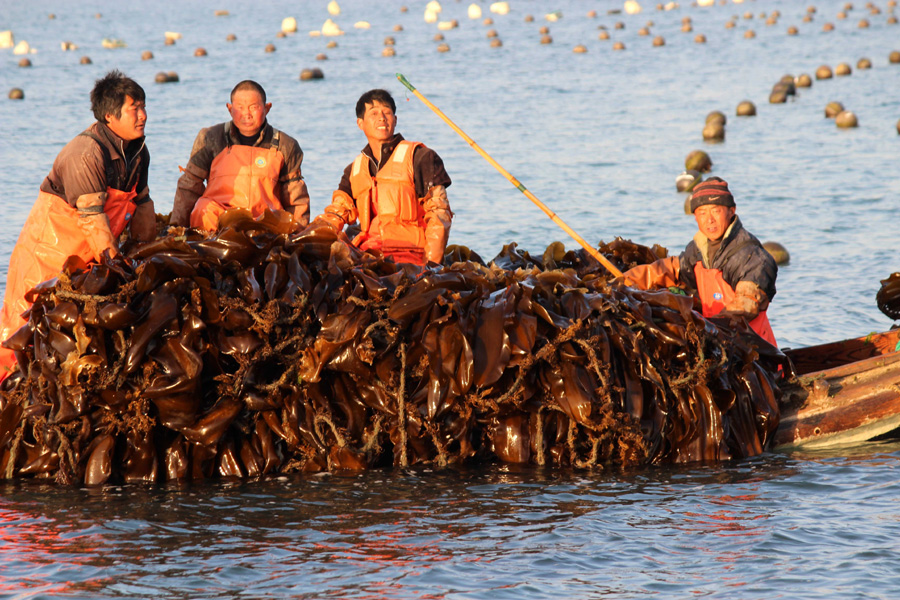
(492,33)
(311,74)
(823,72)
(687,28)
(894,57)
(146,55)
(438,37)
(580,49)
(388,51)
(496,43)
(699,39)
(231,38)
(200,52)
(778,252)
(792,30)
(544,30)
(863,24)
(828,27)
(546,39)
(864,63)
(270,48)
(749,34)
(321,56)
(25,62)
(443,48)
(331,44)
(619,46)
(746,109)
(832,109)
(16,94)
(86,60)
(643,31)
(603,35)
(846,119)
(698,160)
(803,80)
(659,41)
(398,27)
(389,41)
(716,116)
(843,69)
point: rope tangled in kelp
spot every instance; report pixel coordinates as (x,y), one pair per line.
(258,351)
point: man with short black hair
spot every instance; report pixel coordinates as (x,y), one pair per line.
(396,189)
(246,163)
(724,264)
(96,189)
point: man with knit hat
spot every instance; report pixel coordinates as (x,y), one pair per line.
(725,265)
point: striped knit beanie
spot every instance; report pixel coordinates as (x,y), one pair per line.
(712,191)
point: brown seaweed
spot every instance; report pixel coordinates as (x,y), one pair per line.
(255,351)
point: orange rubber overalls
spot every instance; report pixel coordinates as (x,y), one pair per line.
(391,218)
(50,236)
(240,177)
(715,293)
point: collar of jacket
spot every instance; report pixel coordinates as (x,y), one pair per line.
(703,242)
(230,138)
(114,143)
(386,150)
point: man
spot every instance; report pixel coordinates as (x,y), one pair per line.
(396,188)
(96,188)
(725,264)
(246,163)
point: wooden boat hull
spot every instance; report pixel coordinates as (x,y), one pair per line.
(853,397)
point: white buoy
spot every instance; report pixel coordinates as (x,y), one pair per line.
(334,9)
(7,39)
(430,16)
(23,48)
(500,8)
(448,25)
(474,11)
(362,25)
(554,16)
(433,6)
(331,28)
(705,2)
(632,7)
(289,25)
(173,35)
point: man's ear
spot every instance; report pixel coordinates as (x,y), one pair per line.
(359,123)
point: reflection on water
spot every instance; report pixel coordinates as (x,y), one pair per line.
(600,138)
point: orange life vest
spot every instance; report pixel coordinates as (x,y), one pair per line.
(51,235)
(715,293)
(391,218)
(240,177)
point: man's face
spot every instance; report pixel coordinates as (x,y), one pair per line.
(130,125)
(713,220)
(248,111)
(378,122)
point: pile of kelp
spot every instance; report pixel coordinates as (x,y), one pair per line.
(258,351)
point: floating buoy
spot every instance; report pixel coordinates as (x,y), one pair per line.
(443,48)
(67,46)
(438,37)
(632,7)
(362,25)
(220,13)
(619,46)
(604,35)
(448,25)
(746,109)
(230,37)
(894,57)
(778,252)
(321,56)
(86,60)
(492,33)
(487,22)
(714,131)
(546,39)
(792,30)
(310,74)
(500,8)
(846,120)
(162,77)
(842,69)
(643,31)
(659,41)
(686,181)
(716,116)
(289,25)
(270,48)
(334,9)
(496,43)
(698,160)
(749,34)
(828,27)
(832,109)
(16,94)
(388,51)
(25,62)
(803,80)
(474,11)
(200,52)
(699,39)
(823,72)
(330,28)
(687,28)
(864,63)
(146,55)
(331,44)
(580,49)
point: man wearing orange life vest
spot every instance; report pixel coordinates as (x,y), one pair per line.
(725,263)
(96,188)
(396,188)
(246,163)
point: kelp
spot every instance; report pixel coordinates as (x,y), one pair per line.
(257,351)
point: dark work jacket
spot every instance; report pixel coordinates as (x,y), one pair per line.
(740,258)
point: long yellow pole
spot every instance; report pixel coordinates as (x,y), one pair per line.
(593,251)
